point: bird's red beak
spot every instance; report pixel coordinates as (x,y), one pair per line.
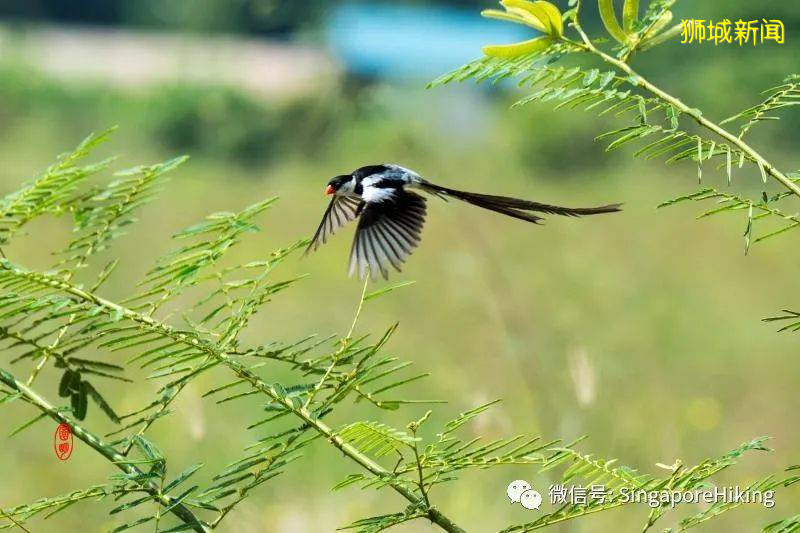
(329,190)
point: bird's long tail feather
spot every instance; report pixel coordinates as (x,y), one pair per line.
(515,207)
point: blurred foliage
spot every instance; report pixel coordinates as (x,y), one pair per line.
(248,16)
(226,124)
(219,122)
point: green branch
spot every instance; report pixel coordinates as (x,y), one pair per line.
(107,451)
(638,80)
(243,373)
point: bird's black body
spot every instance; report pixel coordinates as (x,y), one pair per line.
(391,215)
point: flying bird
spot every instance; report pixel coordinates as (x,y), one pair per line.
(390,215)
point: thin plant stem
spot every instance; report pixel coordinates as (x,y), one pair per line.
(421,476)
(23,528)
(345,342)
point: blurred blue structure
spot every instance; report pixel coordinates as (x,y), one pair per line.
(411,41)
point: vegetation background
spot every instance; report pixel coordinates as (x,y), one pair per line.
(640,330)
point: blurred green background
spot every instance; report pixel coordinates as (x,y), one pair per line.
(641,330)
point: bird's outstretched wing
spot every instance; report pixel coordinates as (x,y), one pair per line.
(387,233)
(341,210)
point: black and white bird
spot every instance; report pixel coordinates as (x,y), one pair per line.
(390,215)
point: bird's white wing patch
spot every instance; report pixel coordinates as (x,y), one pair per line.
(376,194)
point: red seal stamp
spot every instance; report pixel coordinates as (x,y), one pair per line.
(63,441)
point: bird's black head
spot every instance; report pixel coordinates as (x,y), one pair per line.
(336,183)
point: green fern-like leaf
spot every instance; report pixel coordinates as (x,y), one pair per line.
(55,191)
(103,216)
(785,95)
(757,211)
(377,439)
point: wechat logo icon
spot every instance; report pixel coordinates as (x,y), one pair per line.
(520,492)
